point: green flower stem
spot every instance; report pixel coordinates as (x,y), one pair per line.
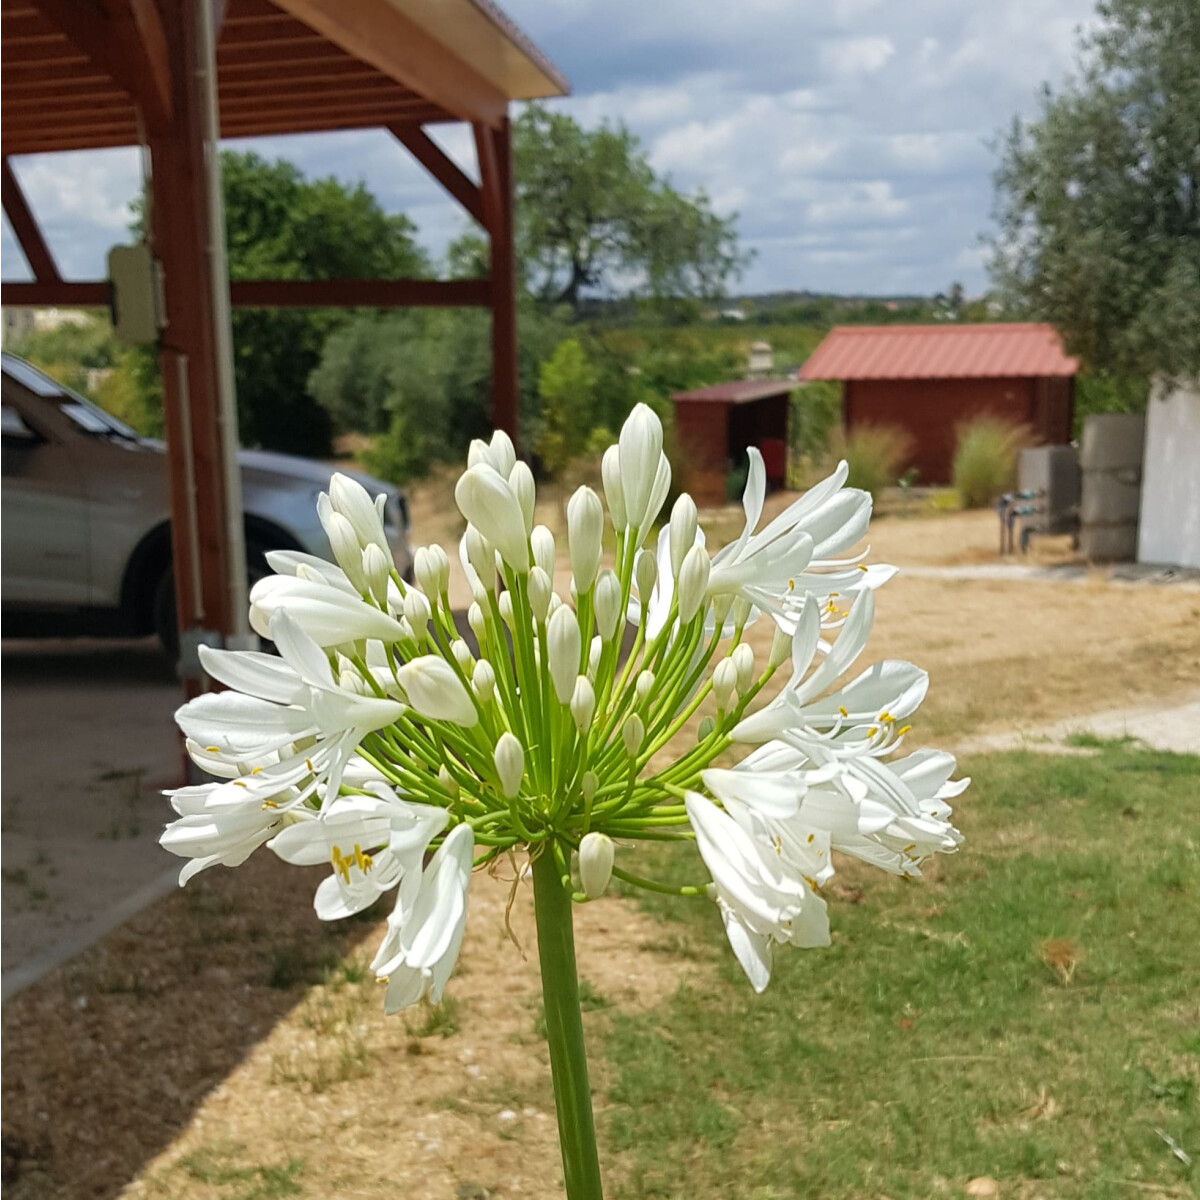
(564,1031)
(652,885)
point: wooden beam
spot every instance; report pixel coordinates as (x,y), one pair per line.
(59,294)
(125,39)
(33,245)
(495,170)
(435,160)
(359,293)
(387,39)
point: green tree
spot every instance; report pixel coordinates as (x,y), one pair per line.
(592,215)
(567,385)
(1098,199)
(280,225)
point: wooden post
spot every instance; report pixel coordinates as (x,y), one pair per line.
(495,169)
(179,224)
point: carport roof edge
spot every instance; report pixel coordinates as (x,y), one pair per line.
(283,66)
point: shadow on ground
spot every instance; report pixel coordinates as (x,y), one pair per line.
(106,1059)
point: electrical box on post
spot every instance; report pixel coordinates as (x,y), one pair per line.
(135,294)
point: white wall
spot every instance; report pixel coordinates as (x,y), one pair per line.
(1169,526)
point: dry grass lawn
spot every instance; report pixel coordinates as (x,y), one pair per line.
(226,1045)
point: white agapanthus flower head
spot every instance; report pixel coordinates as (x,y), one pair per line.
(383,744)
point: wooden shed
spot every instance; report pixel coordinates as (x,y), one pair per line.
(715,425)
(928,379)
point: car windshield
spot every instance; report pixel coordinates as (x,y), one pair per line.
(88,416)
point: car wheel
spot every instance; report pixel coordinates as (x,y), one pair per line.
(166,622)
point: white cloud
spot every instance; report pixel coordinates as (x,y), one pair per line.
(849,135)
(857,55)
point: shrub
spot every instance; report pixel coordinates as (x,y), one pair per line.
(875,454)
(985,459)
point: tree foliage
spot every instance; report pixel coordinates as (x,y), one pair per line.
(280,225)
(593,216)
(1098,199)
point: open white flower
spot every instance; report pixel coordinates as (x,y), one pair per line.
(372,842)
(763,898)
(422,941)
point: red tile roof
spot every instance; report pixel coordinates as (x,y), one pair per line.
(939,352)
(741,392)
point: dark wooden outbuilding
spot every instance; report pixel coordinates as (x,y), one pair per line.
(928,379)
(715,425)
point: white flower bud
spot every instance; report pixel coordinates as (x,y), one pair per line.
(583,703)
(503,454)
(543,548)
(462,655)
(707,726)
(683,530)
(435,691)
(485,499)
(633,734)
(443,568)
(346,548)
(520,479)
(781,647)
(476,621)
(741,612)
(594,651)
(416,611)
(607,603)
(724,682)
(504,604)
(377,570)
(484,680)
(406,630)
(646,572)
(478,452)
(644,685)
(555,604)
(588,785)
(351,500)
(721,607)
(693,582)
(479,592)
(596,853)
(640,446)
(448,782)
(540,591)
(510,764)
(425,571)
(562,636)
(349,680)
(610,473)
(743,660)
(585,533)
(481,556)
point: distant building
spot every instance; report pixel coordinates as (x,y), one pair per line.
(928,379)
(715,425)
(761,360)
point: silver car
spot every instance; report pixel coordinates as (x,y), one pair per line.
(86,531)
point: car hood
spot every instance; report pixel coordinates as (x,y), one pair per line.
(289,468)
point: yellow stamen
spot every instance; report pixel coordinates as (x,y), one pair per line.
(862,566)
(363,860)
(212,749)
(843,711)
(238,783)
(269,804)
(873,731)
(810,838)
(341,865)
(308,764)
(256,771)
(903,730)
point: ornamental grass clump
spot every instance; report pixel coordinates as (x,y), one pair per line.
(384,745)
(985,459)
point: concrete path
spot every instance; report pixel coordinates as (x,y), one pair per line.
(1122,574)
(1175,728)
(89,741)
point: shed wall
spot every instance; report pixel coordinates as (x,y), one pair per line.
(702,436)
(930,409)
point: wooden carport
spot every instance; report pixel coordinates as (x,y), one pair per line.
(174,75)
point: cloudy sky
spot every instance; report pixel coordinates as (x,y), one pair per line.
(851,137)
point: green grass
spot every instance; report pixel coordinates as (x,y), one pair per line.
(1031,1013)
(211,1165)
